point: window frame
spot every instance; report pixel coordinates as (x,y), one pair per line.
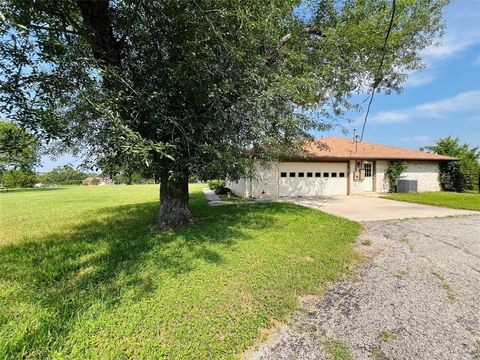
(369,172)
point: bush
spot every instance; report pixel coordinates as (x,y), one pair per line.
(394,173)
(453,177)
(219,187)
(19,179)
(222,190)
(215,183)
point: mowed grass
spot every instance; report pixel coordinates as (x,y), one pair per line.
(82,275)
(468,201)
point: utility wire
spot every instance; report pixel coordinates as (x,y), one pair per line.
(377,81)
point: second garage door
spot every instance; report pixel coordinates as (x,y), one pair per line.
(312,179)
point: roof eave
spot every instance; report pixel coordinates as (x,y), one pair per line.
(338,158)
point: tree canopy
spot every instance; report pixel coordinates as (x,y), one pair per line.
(18,149)
(62,175)
(468,155)
(184,87)
(457,175)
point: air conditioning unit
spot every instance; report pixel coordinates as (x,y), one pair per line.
(407,186)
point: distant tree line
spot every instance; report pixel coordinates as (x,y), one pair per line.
(20,153)
(64,175)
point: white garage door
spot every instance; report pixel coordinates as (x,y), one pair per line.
(312,179)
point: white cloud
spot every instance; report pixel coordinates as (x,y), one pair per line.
(420,78)
(449,47)
(385,117)
(466,101)
(421,138)
(463,102)
(461,33)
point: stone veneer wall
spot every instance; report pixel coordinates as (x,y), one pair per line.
(425,172)
(265,185)
(238,187)
(381,184)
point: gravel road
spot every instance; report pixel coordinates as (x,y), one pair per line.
(416,297)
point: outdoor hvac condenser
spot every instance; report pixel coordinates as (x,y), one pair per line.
(407,186)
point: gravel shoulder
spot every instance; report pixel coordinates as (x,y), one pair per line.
(416,297)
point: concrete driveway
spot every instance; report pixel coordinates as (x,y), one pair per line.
(418,297)
(373,208)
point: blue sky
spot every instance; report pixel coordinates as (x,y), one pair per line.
(441,100)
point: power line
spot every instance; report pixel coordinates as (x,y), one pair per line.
(377,81)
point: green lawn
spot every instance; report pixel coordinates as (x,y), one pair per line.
(81,275)
(233,198)
(467,201)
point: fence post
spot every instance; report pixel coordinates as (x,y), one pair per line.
(478,184)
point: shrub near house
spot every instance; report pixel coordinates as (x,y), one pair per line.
(460,175)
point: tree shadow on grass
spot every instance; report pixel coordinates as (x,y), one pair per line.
(63,274)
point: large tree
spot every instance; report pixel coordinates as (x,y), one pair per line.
(18,149)
(184,87)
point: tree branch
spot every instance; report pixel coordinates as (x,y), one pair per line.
(96,17)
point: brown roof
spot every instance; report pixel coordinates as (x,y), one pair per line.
(336,148)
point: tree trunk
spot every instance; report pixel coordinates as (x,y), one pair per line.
(174,211)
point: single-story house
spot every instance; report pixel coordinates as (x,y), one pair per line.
(339,166)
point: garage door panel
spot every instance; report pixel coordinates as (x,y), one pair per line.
(313,186)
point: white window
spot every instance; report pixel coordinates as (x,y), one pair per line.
(368,169)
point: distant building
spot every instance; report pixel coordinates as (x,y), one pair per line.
(97,180)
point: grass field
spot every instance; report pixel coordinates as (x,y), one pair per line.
(467,201)
(82,276)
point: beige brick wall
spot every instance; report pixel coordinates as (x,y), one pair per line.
(381,179)
(425,172)
(265,184)
(238,187)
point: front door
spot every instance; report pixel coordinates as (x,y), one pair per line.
(363,176)
(368,180)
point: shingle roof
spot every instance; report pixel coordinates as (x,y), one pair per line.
(337,148)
